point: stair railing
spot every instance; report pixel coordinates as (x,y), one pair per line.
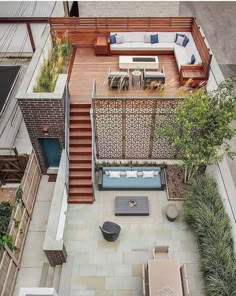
(67,120)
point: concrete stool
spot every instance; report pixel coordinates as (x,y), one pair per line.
(171,212)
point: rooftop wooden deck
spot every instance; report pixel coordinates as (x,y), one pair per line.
(87,67)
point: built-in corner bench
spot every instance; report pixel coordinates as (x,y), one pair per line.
(147,178)
(137,43)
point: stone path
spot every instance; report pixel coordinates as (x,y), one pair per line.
(33,256)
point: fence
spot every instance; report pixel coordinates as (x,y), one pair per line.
(84,31)
(10,261)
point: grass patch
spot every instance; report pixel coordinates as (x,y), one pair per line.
(204,212)
(54,65)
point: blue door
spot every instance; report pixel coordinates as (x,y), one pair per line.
(51,151)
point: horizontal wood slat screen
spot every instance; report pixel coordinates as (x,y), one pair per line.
(83,31)
(201,46)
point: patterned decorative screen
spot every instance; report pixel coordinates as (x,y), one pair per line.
(127,128)
(109,128)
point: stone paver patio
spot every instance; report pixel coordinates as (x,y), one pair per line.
(102,268)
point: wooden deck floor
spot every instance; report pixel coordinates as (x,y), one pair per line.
(87,67)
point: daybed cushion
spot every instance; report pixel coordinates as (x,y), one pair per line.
(138,182)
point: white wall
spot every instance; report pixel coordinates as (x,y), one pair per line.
(128,8)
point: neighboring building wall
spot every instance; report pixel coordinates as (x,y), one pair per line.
(14,38)
(40,113)
(12,117)
(128,8)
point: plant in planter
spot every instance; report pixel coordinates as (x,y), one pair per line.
(54,65)
(200,127)
(204,212)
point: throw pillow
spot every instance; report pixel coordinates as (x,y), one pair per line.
(186,40)
(193,59)
(119,39)
(148,174)
(180,41)
(140,174)
(114,174)
(147,38)
(113,39)
(107,173)
(122,173)
(131,174)
(154,39)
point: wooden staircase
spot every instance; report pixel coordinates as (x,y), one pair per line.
(80,169)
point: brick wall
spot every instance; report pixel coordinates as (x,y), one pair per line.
(128,8)
(39,113)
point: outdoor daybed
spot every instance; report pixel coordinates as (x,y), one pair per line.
(144,180)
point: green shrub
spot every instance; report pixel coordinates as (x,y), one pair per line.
(5,216)
(54,65)
(205,213)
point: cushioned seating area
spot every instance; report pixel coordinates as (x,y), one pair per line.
(136,41)
(123,183)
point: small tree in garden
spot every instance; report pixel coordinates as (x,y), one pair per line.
(201,127)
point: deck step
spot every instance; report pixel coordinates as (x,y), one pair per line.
(80,119)
(80,111)
(80,166)
(81,200)
(75,104)
(80,158)
(80,151)
(82,183)
(80,135)
(87,191)
(80,174)
(80,143)
(80,127)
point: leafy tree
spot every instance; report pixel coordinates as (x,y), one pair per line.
(201,127)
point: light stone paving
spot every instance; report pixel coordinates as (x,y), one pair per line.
(102,268)
(33,256)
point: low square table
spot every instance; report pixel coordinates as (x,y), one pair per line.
(122,207)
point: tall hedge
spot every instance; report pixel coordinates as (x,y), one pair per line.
(204,212)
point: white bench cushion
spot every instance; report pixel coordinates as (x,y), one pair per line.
(135,41)
(142,45)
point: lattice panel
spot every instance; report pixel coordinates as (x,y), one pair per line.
(108,125)
(128,128)
(138,121)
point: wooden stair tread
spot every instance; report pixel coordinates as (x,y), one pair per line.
(80,182)
(80,142)
(80,166)
(80,174)
(81,157)
(82,150)
(80,118)
(81,199)
(80,190)
(80,126)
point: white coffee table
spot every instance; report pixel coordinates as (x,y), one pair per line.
(138,62)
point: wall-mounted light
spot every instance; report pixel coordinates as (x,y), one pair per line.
(45,129)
